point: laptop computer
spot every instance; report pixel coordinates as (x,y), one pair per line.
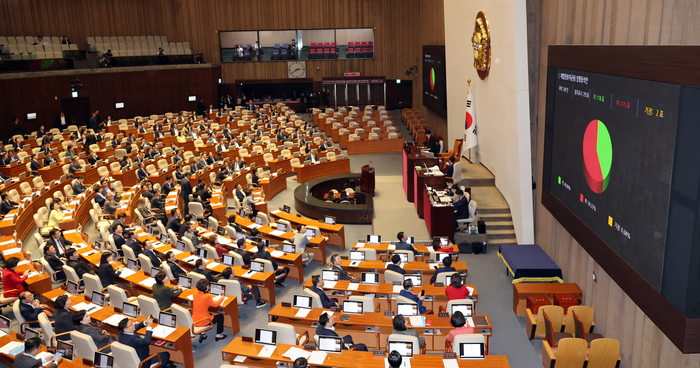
(404,348)
(374,239)
(466,309)
(356,255)
(329,220)
(329,275)
(310,233)
(227,260)
(282,227)
(286,208)
(5,324)
(288,248)
(301,301)
(416,279)
(132,264)
(66,349)
(103,360)
(185,282)
(72,287)
(218,289)
(180,246)
(97,299)
(167,319)
(257,266)
(130,310)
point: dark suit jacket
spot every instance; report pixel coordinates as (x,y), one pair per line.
(409,295)
(433,145)
(326,302)
(30,314)
(163,295)
(342,274)
(406,246)
(395,268)
(64,323)
(173,223)
(245,255)
(92,124)
(461,208)
(450,171)
(140,344)
(35,165)
(107,274)
(7,206)
(322,331)
(176,269)
(155,261)
(185,189)
(96,334)
(54,262)
(442,269)
(79,267)
(206,273)
(25,361)
(240,194)
(266,255)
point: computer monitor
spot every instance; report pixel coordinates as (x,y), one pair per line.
(259,221)
(404,348)
(164,238)
(167,319)
(282,227)
(240,236)
(374,239)
(330,344)
(72,287)
(352,306)
(265,241)
(370,278)
(30,332)
(416,279)
(288,248)
(155,270)
(404,257)
(65,348)
(242,212)
(466,309)
(132,264)
(411,240)
(471,350)
(329,275)
(98,298)
(185,282)
(201,253)
(180,246)
(103,360)
(130,310)
(218,289)
(221,230)
(407,309)
(329,220)
(257,266)
(441,256)
(227,260)
(286,208)
(5,324)
(301,301)
(356,255)
(310,233)
(267,337)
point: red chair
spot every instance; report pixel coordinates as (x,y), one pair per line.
(364,52)
(327,53)
(364,43)
(351,44)
(313,45)
(370,43)
(351,52)
(312,54)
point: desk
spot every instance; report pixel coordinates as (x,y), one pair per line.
(420,181)
(410,267)
(376,339)
(14,170)
(439,217)
(375,146)
(412,158)
(390,247)
(347,359)
(91,175)
(23,221)
(335,233)
(529,263)
(39,283)
(273,185)
(315,171)
(51,173)
(127,178)
(523,290)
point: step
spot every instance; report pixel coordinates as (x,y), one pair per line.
(495,217)
(499,225)
(496,243)
(501,234)
(478,182)
(499,210)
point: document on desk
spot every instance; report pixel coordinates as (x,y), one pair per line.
(114,320)
(317,357)
(12,348)
(239,359)
(353,286)
(12,251)
(329,284)
(471,290)
(249,273)
(445,199)
(254,249)
(149,282)
(22,263)
(302,312)
(253,226)
(294,353)
(470,321)
(397,289)
(417,321)
(267,351)
(212,265)
(277,253)
(391,247)
(208,234)
(162,332)
(175,251)
(354,263)
(126,273)
(276,233)
(360,245)
(275,211)
(450,363)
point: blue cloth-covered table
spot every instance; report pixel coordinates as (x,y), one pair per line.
(529,263)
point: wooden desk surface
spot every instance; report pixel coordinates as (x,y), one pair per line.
(375,146)
(522,290)
(315,171)
(410,267)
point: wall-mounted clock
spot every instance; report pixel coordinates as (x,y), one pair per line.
(481,42)
(296,69)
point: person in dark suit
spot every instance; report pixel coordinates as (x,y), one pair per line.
(29,308)
(396,264)
(34,165)
(58,241)
(186,190)
(174,221)
(175,268)
(240,194)
(459,202)
(148,252)
(75,166)
(407,292)
(450,187)
(140,344)
(106,272)
(240,243)
(324,146)
(317,288)
(162,293)
(141,173)
(99,336)
(93,158)
(433,144)
(28,359)
(41,132)
(446,267)
(201,268)
(324,329)
(238,164)
(74,262)
(342,274)
(450,167)
(78,186)
(90,139)
(55,263)
(16,128)
(201,109)
(93,123)
(403,245)
(62,121)
(312,156)
(7,205)
(49,159)
(264,254)
(63,317)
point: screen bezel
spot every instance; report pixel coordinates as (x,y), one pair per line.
(296,299)
(337,339)
(407,344)
(413,306)
(125,304)
(326,272)
(376,278)
(69,346)
(160,318)
(470,308)
(481,345)
(257,337)
(356,302)
(262,265)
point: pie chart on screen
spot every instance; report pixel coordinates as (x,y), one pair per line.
(432,79)
(597,156)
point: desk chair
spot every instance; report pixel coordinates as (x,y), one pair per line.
(196,209)
(211,252)
(53,274)
(263,216)
(552,336)
(147,306)
(408,253)
(392,276)
(367,303)
(128,251)
(92,283)
(145,263)
(233,288)
(535,326)
(184,319)
(49,336)
(286,334)
(472,215)
(196,276)
(268,268)
(167,270)
(189,247)
(604,353)
(444,277)
(448,308)
(99,220)
(237,258)
(315,299)
(370,254)
(469,338)
(119,296)
(125,357)
(21,322)
(213,224)
(417,349)
(571,353)
(173,236)
(71,275)
(85,347)
(584,313)
(581,330)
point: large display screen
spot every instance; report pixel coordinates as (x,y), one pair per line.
(611,159)
(434,77)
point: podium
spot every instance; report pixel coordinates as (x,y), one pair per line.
(367,180)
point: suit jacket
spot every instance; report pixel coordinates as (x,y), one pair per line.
(173,223)
(409,295)
(442,269)
(140,344)
(238,166)
(142,173)
(60,248)
(240,194)
(79,267)
(176,270)
(35,165)
(322,331)
(406,246)
(185,189)
(326,302)
(342,274)
(25,361)
(90,139)
(461,208)
(245,255)
(163,295)
(450,171)
(48,160)
(64,323)
(54,262)
(206,273)
(30,314)
(74,167)
(395,268)
(78,188)
(96,334)
(179,175)
(6,206)
(311,157)
(433,145)
(93,159)
(155,261)
(266,255)
(107,274)
(92,124)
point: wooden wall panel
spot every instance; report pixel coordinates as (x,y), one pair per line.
(619,22)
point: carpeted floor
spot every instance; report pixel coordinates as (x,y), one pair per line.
(393,213)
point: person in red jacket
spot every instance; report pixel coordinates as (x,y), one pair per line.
(11,279)
(455,290)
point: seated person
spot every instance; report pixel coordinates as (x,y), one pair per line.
(446,267)
(74,262)
(30,308)
(403,245)
(461,206)
(127,328)
(101,337)
(300,242)
(162,293)
(455,290)
(317,287)
(175,267)
(63,317)
(53,260)
(325,328)
(396,264)
(399,323)
(336,262)
(450,187)
(264,254)
(200,267)
(245,289)
(394,359)
(28,358)
(7,205)
(214,242)
(458,322)
(407,292)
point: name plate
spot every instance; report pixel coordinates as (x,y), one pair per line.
(443,314)
(284,304)
(449,356)
(378,352)
(389,313)
(247,339)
